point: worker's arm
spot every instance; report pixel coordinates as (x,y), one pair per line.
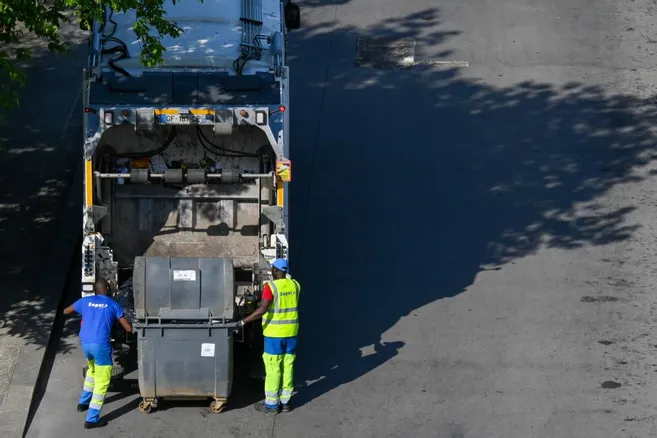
(73,308)
(120,317)
(257,314)
(125,324)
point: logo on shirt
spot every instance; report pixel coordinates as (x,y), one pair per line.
(98,305)
(286,294)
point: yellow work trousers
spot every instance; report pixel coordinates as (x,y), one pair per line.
(279,357)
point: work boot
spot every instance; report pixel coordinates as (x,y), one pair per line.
(260,407)
(285,407)
(95,424)
(82,408)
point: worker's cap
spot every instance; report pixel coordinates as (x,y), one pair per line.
(280,264)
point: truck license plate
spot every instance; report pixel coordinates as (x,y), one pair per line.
(186,119)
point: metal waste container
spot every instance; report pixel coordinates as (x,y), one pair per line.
(185,311)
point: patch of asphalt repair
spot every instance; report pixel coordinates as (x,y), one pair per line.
(600,299)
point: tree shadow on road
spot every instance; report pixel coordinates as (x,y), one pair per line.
(407,184)
(410,182)
(39,152)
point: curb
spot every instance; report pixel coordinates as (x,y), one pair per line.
(27,377)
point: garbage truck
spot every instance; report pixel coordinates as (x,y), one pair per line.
(186,176)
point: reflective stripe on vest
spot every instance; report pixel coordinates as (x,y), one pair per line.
(282,318)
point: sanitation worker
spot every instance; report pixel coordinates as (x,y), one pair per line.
(280,326)
(99,313)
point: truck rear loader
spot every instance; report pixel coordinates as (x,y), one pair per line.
(186,173)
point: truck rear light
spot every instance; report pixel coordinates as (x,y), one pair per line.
(140,163)
(109,117)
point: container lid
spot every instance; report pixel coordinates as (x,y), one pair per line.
(189,288)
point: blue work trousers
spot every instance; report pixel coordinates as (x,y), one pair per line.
(97,380)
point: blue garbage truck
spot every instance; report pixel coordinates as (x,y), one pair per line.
(186,175)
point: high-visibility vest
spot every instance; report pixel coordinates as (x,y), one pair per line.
(282,317)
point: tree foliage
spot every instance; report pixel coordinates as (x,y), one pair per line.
(42,20)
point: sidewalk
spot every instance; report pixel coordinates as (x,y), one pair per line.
(40,197)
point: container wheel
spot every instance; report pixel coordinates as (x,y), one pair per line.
(145,407)
(217,406)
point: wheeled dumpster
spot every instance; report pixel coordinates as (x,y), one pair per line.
(185,312)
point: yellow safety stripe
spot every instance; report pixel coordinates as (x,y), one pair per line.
(280,192)
(172,111)
(88,384)
(97,401)
(271,397)
(88,183)
(289,309)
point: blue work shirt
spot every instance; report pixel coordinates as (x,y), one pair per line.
(99,314)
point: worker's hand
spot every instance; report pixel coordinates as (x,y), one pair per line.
(238,324)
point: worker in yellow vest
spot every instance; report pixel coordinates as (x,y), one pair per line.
(280,326)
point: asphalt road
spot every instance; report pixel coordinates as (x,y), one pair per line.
(39,150)
(475,243)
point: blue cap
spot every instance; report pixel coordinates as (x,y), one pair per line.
(280,264)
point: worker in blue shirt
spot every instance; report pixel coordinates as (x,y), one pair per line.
(99,314)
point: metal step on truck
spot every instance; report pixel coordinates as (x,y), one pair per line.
(186,173)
